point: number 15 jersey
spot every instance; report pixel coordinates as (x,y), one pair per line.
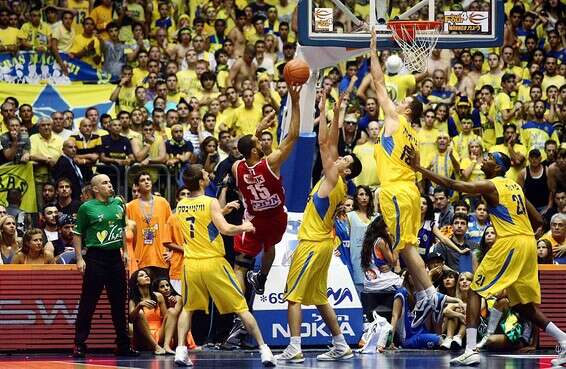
(391,154)
(262,189)
(201,237)
(510,217)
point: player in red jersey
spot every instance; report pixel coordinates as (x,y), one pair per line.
(257,178)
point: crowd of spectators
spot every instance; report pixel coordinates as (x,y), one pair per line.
(191,77)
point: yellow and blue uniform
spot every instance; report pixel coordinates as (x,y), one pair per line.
(205,270)
(399,197)
(511,263)
(308,274)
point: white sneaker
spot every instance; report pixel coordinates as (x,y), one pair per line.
(290,355)
(560,359)
(267,358)
(182,356)
(336,353)
(469,357)
(456,342)
(481,344)
(446,343)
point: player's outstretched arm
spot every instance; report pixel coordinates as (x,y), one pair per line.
(478,187)
(329,153)
(391,120)
(223,226)
(278,157)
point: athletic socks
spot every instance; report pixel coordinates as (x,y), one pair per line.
(494,317)
(296,343)
(557,333)
(471,338)
(339,340)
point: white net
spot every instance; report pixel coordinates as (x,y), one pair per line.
(417,40)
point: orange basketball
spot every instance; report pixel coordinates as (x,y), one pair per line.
(296,72)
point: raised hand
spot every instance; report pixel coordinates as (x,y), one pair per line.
(295,93)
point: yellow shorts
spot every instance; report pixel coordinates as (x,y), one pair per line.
(211,277)
(510,264)
(307,280)
(401,208)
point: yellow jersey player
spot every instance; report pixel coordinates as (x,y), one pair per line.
(511,263)
(206,273)
(308,274)
(399,196)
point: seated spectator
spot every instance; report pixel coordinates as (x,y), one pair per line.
(477,224)
(50,218)
(420,337)
(559,204)
(429,232)
(64,243)
(33,250)
(151,149)
(487,240)
(65,202)
(178,150)
(443,207)
(14,146)
(48,193)
(88,145)
(9,244)
(67,168)
(208,155)
(435,267)
(86,45)
(146,312)
(557,237)
(14,199)
(45,149)
(458,258)
(544,252)
(116,150)
(174,306)
(455,315)
(378,261)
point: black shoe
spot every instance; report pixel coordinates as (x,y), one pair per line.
(126,351)
(257,282)
(79,352)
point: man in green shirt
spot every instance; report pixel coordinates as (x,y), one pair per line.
(100,227)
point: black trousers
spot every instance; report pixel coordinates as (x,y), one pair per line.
(104,269)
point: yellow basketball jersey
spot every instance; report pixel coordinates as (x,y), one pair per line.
(318,218)
(510,217)
(201,238)
(391,154)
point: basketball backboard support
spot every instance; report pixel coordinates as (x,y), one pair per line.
(467,24)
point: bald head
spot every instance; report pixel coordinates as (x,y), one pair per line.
(102,187)
(70,148)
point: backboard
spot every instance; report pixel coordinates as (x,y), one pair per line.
(346,23)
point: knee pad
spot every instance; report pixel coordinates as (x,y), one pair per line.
(245,261)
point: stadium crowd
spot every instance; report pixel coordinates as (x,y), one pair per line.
(192,77)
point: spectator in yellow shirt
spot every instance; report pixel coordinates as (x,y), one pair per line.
(507,110)
(247,116)
(35,35)
(8,35)
(86,46)
(514,150)
(427,137)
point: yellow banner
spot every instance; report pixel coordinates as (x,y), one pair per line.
(18,177)
(47,99)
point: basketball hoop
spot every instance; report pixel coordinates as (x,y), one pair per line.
(417,39)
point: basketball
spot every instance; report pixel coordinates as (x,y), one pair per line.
(296,72)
